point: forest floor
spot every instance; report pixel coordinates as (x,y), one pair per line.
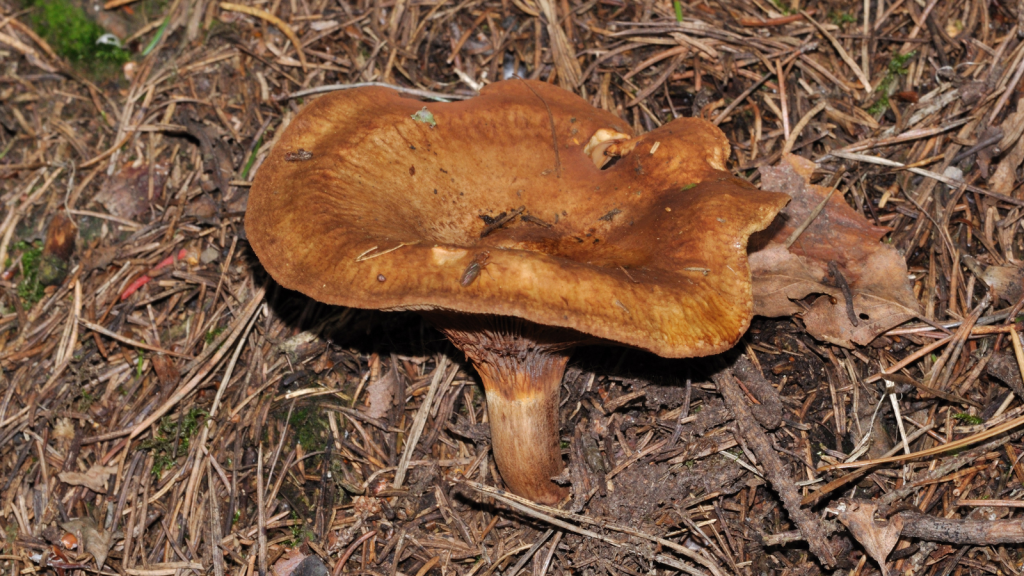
(167,406)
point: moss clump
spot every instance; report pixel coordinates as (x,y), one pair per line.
(785,10)
(301,533)
(210,336)
(73,36)
(310,428)
(897,67)
(840,18)
(30,289)
(172,439)
(968,419)
(86,401)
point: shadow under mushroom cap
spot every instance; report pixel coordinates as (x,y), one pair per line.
(649,252)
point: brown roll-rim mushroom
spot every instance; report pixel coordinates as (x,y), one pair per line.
(490,218)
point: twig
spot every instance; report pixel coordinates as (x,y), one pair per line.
(547,513)
(842,53)
(421,419)
(814,497)
(791,141)
(501,221)
(351,550)
(129,341)
(956,531)
(928,173)
(261,514)
(774,469)
(281,25)
(994,431)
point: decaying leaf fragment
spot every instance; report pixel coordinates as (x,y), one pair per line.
(1005,177)
(286,564)
(1007,281)
(380,394)
(877,538)
(60,245)
(94,478)
(874,274)
(126,194)
(93,538)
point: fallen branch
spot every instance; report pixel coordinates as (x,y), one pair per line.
(774,469)
(973,532)
(953,530)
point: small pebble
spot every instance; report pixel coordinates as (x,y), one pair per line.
(210,254)
(953,173)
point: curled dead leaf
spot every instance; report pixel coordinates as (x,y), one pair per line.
(60,236)
(877,538)
(875,274)
(380,394)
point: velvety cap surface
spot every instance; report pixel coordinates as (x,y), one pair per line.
(373,200)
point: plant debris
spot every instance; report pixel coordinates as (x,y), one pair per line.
(166,408)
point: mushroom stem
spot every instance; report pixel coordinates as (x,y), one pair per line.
(525,427)
(521,365)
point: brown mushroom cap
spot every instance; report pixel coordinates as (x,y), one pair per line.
(362,204)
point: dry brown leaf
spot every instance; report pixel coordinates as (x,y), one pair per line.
(878,539)
(380,395)
(780,277)
(166,371)
(1012,127)
(126,194)
(94,478)
(1012,146)
(288,562)
(1004,179)
(876,273)
(1007,281)
(93,539)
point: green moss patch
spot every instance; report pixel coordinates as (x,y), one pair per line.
(172,439)
(73,35)
(30,289)
(310,427)
(896,68)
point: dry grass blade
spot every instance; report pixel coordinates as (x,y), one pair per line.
(281,24)
(864,80)
(421,418)
(569,73)
(189,386)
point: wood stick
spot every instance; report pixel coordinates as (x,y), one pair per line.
(774,469)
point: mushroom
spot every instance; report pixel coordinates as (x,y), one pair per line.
(489,218)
